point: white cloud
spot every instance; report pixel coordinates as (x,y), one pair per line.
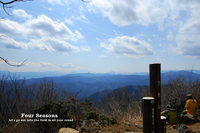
(43,66)
(143,12)
(128,46)
(81,17)
(188,37)
(46,44)
(21,14)
(69,21)
(118,12)
(59,2)
(41,26)
(12,28)
(180,16)
(11,43)
(42,33)
(128,12)
(59,45)
(185,4)
(45,26)
(170,36)
(66,66)
(38,64)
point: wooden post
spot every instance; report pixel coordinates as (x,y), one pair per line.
(163,124)
(148,114)
(155,91)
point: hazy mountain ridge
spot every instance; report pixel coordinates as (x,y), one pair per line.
(32,75)
(87,84)
(134,91)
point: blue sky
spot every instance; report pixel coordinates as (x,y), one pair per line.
(101,36)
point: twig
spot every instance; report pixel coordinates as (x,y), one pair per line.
(10,2)
(10,64)
(86,1)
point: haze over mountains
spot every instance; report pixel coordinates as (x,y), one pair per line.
(87,84)
(31,75)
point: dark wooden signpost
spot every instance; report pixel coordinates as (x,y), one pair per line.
(155,91)
(151,106)
(148,114)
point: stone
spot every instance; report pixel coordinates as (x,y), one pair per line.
(68,130)
(184,129)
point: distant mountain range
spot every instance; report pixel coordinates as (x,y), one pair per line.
(102,96)
(31,75)
(87,84)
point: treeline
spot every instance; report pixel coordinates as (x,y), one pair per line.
(122,102)
(174,93)
(17,97)
(125,103)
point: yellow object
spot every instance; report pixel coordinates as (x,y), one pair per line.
(191,106)
(170,115)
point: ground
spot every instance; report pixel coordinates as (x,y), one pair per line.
(136,127)
(194,127)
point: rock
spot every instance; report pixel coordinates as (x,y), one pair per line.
(188,131)
(104,123)
(184,129)
(90,126)
(112,121)
(68,130)
(83,124)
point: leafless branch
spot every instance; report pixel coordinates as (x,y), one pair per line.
(10,64)
(12,1)
(86,1)
(4,4)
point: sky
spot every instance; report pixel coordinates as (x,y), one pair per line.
(100,36)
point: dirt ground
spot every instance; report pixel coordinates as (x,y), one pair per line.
(121,128)
(137,127)
(194,127)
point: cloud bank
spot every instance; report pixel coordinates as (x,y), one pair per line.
(42,33)
(179,15)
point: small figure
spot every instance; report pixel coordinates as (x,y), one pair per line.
(189,114)
(191,105)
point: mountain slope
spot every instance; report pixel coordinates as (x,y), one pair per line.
(133,91)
